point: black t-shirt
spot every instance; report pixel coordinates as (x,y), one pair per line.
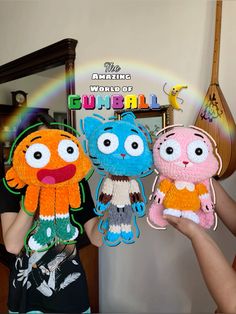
(10,202)
(53,281)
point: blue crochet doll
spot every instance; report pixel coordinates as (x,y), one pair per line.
(119,149)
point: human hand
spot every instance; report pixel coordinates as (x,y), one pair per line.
(185,226)
(139,208)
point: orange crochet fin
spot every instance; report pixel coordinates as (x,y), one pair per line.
(13,180)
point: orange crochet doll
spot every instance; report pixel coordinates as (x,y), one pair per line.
(50,162)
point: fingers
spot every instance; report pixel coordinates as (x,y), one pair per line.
(184,225)
(174,221)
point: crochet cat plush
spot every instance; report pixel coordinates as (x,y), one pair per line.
(119,149)
(50,162)
(186,160)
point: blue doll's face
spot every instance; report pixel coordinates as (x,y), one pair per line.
(119,148)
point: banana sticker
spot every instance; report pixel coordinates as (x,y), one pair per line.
(173,95)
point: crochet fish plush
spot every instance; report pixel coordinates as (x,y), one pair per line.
(119,149)
(50,162)
(186,160)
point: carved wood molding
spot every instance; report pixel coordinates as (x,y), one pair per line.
(59,53)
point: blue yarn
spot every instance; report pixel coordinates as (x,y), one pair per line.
(128,241)
(97,212)
(121,135)
(81,125)
(100,227)
(149,138)
(147,173)
(99,116)
(120,148)
(98,187)
(111,244)
(84,144)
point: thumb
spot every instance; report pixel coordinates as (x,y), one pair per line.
(174,221)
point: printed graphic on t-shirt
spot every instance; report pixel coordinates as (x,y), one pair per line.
(45,275)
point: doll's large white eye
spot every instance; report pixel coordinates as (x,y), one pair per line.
(107,143)
(170,150)
(134,145)
(197,151)
(68,150)
(37,155)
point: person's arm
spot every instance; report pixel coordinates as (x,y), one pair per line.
(91,228)
(14,229)
(87,217)
(225,207)
(219,276)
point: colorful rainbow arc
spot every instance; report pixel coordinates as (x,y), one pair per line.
(83,72)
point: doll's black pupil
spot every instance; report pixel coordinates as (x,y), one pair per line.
(37,155)
(70,150)
(198,151)
(134,145)
(107,142)
(169,150)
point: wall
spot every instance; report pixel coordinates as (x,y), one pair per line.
(164,41)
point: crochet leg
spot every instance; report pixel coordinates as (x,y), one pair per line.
(207,220)
(45,231)
(190,215)
(64,229)
(126,216)
(156,215)
(114,230)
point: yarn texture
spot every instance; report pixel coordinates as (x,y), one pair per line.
(120,152)
(50,163)
(186,160)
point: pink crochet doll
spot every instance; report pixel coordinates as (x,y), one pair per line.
(186,161)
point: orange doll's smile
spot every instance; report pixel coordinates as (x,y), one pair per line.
(53,176)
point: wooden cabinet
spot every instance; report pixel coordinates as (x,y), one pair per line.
(10,117)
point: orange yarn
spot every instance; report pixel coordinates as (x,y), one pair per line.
(51,196)
(181,199)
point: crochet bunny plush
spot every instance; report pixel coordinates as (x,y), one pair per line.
(186,160)
(119,149)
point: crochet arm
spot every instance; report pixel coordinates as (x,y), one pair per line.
(134,192)
(136,199)
(106,193)
(161,191)
(205,198)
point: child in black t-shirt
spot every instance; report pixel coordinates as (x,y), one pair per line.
(52,281)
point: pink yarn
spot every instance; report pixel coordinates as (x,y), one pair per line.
(184,156)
